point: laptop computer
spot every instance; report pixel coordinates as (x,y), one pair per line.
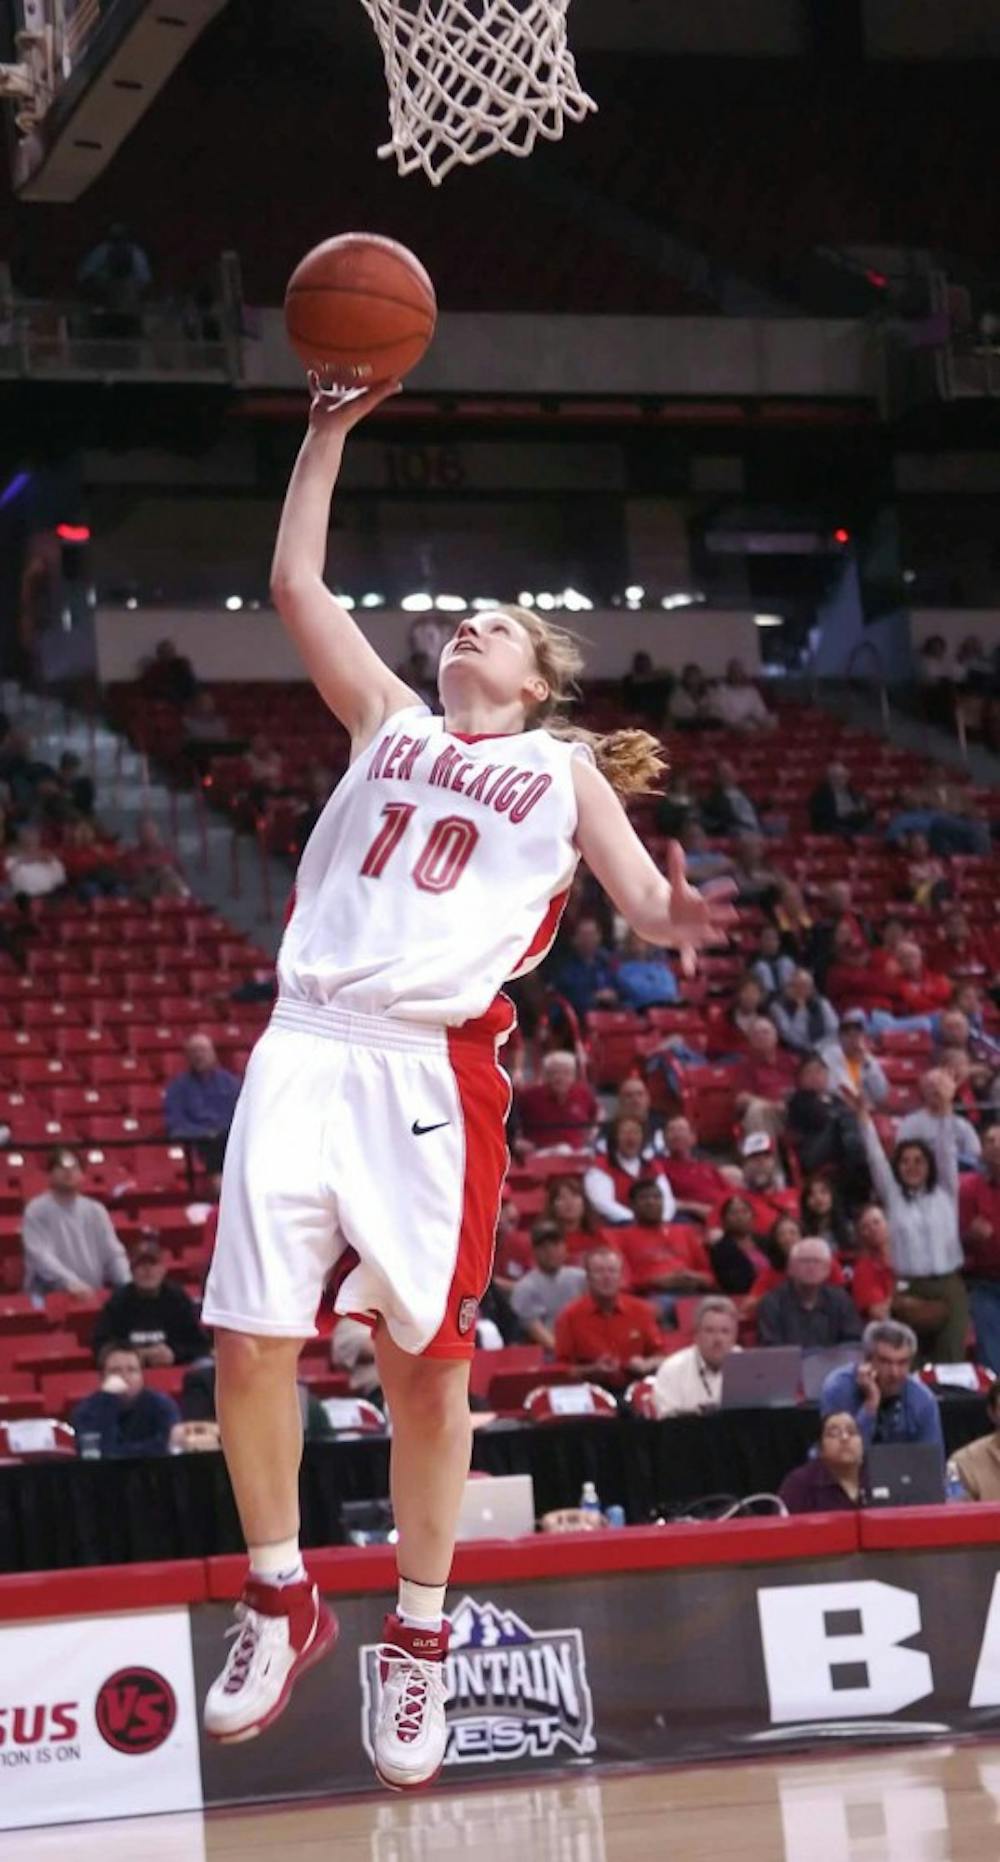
(904,1474)
(765,1378)
(497,1506)
(817,1365)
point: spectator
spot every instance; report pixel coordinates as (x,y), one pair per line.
(689,1382)
(979,1226)
(149,868)
(916,991)
(777,1247)
(806,1310)
(761,1185)
(804,1019)
(561,1110)
(662,1257)
(756,882)
(729,1038)
(887,1402)
(831,1481)
(634,1101)
(69,1243)
(92,864)
(643,977)
(76,789)
(691,704)
(168,676)
(607,1335)
(765,1080)
(151,1314)
(677,807)
(567,1206)
(873,1277)
(206,732)
(937,1092)
(609,1180)
(927,882)
(822,1214)
(738,704)
(115,276)
(960,951)
(836,808)
(770,968)
(919,1193)
(512,1256)
(793,920)
(129,1420)
(977,1465)
(33,871)
(824,1132)
(850,1061)
(837,927)
(727,808)
(551,1285)
(702,862)
(586,977)
(199,1103)
(646,691)
(737,1260)
(698,1185)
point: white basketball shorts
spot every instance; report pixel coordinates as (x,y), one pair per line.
(369,1154)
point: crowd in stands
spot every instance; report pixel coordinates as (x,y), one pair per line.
(798,1147)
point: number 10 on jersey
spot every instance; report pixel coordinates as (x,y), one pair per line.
(446,851)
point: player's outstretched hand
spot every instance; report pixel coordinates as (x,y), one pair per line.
(696,918)
(334,411)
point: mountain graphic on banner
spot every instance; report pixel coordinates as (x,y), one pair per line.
(484,1626)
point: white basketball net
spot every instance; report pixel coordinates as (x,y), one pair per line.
(468,78)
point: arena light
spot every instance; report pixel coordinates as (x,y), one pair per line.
(234,603)
(485,604)
(450,604)
(373,600)
(635,592)
(417,603)
(546,602)
(345,600)
(682,598)
(131,603)
(525,601)
(769,620)
(841,535)
(73,533)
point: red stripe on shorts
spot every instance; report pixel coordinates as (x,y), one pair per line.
(484,1097)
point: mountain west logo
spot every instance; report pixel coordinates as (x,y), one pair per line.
(513,1692)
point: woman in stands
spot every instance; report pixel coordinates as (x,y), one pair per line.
(368,1144)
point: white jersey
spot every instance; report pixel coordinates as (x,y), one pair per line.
(438,870)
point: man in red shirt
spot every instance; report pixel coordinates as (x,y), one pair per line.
(560,1110)
(609,1336)
(960,951)
(698,1186)
(917,993)
(662,1257)
(979,1228)
(765,1079)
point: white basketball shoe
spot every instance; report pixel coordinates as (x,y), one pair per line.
(411,1731)
(281,1630)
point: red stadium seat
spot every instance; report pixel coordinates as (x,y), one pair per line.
(554,1402)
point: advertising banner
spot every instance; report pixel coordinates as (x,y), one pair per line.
(97,1718)
(657,1667)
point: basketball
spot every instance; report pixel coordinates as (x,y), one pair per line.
(361,309)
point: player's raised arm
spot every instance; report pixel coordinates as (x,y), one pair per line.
(357,685)
(665,910)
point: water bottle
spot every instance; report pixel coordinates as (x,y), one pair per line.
(953,1488)
(614,1516)
(589,1503)
(90,1447)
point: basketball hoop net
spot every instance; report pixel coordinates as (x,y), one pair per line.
(468,78)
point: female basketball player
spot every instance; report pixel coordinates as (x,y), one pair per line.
(368,1145)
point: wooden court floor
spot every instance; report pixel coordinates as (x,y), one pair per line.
(932,1804)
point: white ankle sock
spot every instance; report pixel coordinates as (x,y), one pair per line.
(420,1606)
(279,1562)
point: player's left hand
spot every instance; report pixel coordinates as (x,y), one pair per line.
(696,918)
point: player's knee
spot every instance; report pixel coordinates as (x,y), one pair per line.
(439,1400)
(243,1359)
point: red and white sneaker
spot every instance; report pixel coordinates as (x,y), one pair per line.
(411,1731)
(281,1630)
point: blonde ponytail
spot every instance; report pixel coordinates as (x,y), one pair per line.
(632,761)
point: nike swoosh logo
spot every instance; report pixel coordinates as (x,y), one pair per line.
(420,1131)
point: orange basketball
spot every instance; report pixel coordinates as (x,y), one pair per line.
(361,309)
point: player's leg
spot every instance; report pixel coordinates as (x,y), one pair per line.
(276,1242)
(428,1400)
